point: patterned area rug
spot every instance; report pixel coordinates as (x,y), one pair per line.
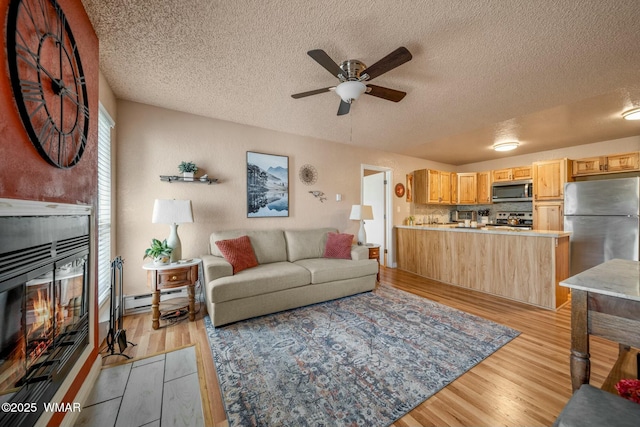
(367,359)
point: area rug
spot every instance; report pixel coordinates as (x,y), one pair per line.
(367,359)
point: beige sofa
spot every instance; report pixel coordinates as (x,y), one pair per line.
(291,273)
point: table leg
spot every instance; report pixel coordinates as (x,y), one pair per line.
(191,291)
(155,309)
(579,360)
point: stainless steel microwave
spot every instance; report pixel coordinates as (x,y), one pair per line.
(512,191)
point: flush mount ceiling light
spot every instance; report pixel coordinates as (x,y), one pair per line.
(351,90)
(633,114)
(506,146)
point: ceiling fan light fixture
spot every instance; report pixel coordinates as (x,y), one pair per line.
(351,90)
(506,146)
(633,114)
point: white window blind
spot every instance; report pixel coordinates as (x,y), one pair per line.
(105,123)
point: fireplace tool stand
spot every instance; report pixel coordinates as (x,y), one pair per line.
(116,334)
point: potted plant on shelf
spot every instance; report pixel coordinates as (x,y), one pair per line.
(159,251)
(188,169)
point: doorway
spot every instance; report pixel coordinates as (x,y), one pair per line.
(375,191)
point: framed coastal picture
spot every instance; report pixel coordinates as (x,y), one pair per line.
(267,185)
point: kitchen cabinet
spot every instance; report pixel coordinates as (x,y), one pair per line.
(606,164)
(467,188)
(549,177)
(484,187)
(548,216)
(432,187)
(454,188)
(512,174)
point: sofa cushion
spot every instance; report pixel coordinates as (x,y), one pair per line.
(328,270)
(264,278)
(238,252)
(338,245)
(303,244)
(268,245)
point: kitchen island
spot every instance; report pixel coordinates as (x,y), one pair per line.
(522,265)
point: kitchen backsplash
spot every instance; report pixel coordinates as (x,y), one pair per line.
(425,214)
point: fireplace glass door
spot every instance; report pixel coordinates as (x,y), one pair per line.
(54,304)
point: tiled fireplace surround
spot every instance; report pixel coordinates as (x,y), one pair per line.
(46,309)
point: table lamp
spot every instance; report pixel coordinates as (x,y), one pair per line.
(172,212)
(360,213)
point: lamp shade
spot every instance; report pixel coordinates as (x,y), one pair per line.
(172,211)
(350,90)
(359,212)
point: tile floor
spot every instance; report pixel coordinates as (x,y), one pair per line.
(162,390)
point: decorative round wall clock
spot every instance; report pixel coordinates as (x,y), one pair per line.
(308,174)
(47,79)
(399,189)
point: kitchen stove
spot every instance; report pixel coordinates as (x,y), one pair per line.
(522,220)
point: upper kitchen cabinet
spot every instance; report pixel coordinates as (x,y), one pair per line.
(549,178)
(432,187)
(512,174)
(609,164)
(467,188)
(484,187)
(454,188)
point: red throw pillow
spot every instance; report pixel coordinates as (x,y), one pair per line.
(338,246)
(238,252)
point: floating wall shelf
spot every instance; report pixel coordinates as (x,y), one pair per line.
(177,178)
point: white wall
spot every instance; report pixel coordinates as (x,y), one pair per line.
(153,141)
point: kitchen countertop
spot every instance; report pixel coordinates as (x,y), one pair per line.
(486,230)
(617,278)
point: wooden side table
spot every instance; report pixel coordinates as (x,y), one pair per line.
(174,275)
(374,253)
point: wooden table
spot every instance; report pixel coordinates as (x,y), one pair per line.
(174,275)
(374,253)
(605,302)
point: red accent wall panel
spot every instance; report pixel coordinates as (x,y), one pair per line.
(23,173)
(26,175)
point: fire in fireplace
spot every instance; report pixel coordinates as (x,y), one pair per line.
(44,291)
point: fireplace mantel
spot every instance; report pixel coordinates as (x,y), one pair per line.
(18,207)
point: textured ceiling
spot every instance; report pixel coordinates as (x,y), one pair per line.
(549,73)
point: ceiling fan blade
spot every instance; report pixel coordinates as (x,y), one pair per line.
(389,62)
(312,92)
(385,93)
(321,57)
(344,108)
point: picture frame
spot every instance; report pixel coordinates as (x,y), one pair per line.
(409,191)
(267,185)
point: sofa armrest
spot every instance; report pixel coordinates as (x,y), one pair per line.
(359,252)
(215,267)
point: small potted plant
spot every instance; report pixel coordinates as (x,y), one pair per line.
(188,169)
(159,251)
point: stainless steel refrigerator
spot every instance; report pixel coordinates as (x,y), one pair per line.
(602,217)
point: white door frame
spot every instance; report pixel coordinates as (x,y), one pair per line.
(388,202)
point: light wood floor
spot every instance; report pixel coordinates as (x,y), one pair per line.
(525,383)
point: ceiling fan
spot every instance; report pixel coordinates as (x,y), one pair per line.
(352,73)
